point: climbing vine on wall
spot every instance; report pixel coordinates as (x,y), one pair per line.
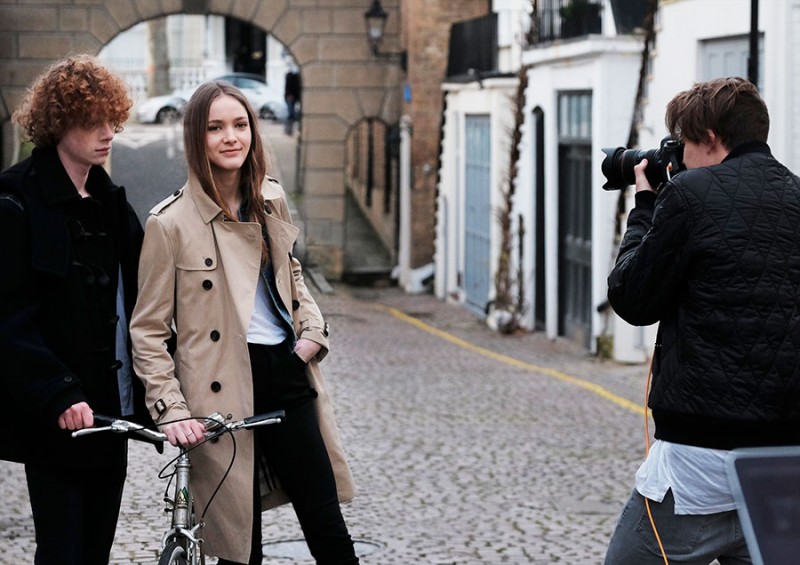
(510,304)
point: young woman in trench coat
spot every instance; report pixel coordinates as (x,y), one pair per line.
(217,268)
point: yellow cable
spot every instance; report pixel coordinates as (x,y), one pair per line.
(646,453)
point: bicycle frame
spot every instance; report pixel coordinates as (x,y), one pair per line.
(181,505)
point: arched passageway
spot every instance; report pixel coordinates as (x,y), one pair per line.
(342,82)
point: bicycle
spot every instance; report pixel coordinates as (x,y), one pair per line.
(180,544)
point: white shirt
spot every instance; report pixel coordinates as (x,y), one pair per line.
(265,325)
(696,476)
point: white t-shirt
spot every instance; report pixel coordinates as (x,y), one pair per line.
(265,325)
(696,476)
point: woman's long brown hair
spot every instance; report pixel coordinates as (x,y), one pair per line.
(254,168)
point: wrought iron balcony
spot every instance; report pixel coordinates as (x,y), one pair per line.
(473,46)
(566,19)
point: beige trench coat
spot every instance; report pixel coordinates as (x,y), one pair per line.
(198,274)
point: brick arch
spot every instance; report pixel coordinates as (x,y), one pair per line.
(342,82)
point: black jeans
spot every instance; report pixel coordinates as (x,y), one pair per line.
(75,513)
(296,454)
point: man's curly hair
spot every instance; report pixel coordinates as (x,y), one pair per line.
(75,92)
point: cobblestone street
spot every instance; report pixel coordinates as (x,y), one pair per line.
(467,447)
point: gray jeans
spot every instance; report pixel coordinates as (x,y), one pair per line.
(687,539)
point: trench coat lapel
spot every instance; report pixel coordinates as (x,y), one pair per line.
(281,236)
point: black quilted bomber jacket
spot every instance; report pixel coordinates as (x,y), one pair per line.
(715,259)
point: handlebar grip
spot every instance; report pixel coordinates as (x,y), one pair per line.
(101,420)
(87,431)
(269,417)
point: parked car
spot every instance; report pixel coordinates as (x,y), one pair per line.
(266,100)
(165,109)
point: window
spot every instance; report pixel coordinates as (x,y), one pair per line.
(727,57)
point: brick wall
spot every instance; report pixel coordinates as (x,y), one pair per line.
(426,33)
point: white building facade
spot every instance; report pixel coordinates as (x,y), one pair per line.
(474,161)
(582,83)
(579,98)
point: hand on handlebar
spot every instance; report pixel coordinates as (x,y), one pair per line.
(76,417)
(186,433)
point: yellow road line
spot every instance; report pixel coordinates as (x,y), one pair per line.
(597,389)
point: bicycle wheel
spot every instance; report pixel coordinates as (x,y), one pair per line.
(173,554)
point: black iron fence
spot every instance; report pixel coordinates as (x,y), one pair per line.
(473,46)
(565,19)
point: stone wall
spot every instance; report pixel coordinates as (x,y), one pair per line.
(342,81)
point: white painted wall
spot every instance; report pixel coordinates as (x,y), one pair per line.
(683,24)
(513,21)
(464,99)
(608,67)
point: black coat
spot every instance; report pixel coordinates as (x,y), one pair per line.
(56,348)
(715,258)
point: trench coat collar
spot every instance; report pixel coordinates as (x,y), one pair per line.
(208,209)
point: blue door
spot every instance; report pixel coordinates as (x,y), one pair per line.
(478,213)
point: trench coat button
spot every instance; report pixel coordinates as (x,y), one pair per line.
(295,304)
(267,209)
(214,335)
(68,379)
(116,366)
(207,284)
(209,262)
(216,387)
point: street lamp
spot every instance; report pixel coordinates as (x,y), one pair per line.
(375,19)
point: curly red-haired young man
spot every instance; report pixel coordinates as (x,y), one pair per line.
(70,251)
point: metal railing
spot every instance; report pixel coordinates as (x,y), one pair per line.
(566,19)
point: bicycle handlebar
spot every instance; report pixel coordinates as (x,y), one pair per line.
(217,425)
(275,417)
(122,427)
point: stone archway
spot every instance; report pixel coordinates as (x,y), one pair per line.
(342,82)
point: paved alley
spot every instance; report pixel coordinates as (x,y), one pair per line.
(467,447)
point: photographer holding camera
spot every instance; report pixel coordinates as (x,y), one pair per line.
(714,256)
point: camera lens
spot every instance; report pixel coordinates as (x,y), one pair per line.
(618,166)
(619,163)
(661,163)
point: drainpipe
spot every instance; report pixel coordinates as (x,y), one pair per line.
(404,232)
(752,61)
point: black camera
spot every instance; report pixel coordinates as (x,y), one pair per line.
(662,163)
